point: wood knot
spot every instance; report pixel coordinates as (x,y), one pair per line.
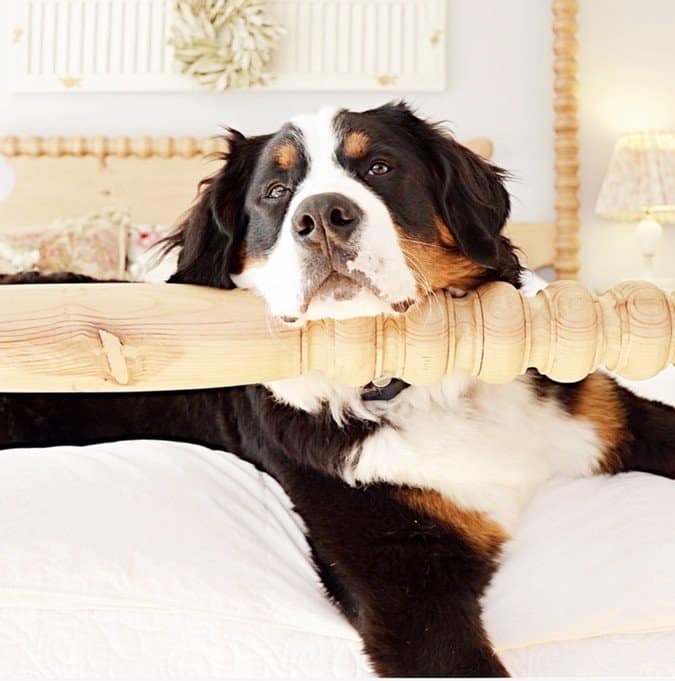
(112,347)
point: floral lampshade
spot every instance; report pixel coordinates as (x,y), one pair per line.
(640,180)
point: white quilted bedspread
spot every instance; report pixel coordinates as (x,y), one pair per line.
(157,560)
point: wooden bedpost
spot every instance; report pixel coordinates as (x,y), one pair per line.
(566,142)
(111,337)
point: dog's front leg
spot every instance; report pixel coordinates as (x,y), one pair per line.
(425,634)
(631,433)
(408,582)
(635,434)
(649,440)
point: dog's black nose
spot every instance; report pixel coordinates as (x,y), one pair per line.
(332,215)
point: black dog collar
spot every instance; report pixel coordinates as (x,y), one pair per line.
(372,392)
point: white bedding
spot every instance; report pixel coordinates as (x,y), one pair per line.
(163,560)
(158,560)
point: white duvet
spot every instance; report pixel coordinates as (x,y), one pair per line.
(159,560)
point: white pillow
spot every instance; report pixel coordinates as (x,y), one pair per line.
(144,261)
(151,266)
(157,560)
(592,566)
(166,560)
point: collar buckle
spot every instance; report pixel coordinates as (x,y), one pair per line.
(383,388)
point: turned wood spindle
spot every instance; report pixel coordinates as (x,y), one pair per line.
(157,337)
(120,147)
(566,144)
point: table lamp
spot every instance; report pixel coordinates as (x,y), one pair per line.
(640,187)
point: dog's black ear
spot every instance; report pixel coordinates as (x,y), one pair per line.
(215,225)
(474,202)
(471,196)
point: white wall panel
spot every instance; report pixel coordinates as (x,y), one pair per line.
(121,45)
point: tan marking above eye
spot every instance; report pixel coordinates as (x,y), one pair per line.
(286,155)
(356,144)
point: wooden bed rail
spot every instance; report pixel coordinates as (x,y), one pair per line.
(128,337)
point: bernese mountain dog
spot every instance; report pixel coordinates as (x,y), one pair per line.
(408,493)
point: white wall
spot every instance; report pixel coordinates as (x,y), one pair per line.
(499,85)
(627,83)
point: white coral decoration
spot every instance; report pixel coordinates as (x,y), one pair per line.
(224,43)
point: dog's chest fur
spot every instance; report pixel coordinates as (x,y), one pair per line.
(484,447)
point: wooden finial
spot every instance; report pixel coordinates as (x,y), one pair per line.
(63,338)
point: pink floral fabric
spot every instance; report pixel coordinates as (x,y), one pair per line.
(103,245)
(144,261)
(640,180)
(94,245)
(140,239)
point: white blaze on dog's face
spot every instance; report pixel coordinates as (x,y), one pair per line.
(343,214)
(337,251)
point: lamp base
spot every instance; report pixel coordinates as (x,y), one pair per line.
(649,232)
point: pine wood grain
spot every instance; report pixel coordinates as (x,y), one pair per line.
(111,337)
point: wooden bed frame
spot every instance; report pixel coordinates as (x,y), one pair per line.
(78,175)
(111,337)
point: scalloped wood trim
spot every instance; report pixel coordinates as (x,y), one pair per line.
(143,147)
(566,143)
(118,147)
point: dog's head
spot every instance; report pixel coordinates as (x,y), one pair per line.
(343,214)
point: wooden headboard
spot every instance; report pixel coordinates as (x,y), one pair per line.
(156,179)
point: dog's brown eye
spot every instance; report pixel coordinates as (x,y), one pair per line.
(379,168)
(277,191)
